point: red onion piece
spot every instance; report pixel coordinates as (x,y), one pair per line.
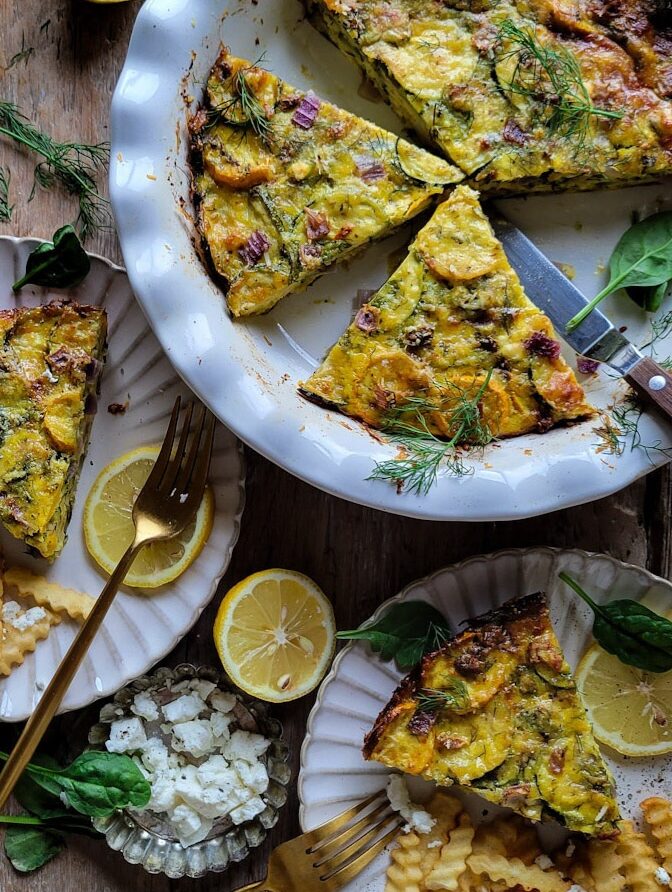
(254,248)
(540,344)
(587,366)
(370,169)
(317,225)
(306,112)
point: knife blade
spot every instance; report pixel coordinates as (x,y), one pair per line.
(596,338)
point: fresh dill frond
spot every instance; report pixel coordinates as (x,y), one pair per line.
(454,696)
(75,166)
(611,437)
(627,418)
(552,78)
(5,207)
(23,55)
(243,109)
(425,454)
(661,328)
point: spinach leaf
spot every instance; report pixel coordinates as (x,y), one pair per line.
(59,264)
(34,798)
(643,259)
(649,297)
(405,633)
(96,783)
(31,847)
(630,631)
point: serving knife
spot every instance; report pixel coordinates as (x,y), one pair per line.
(596,337)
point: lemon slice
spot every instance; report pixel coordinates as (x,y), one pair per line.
(108,525)
(631,710)
(275,635)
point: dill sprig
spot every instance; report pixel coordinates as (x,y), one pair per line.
(627,418)
(5,207)
(611,437)
(426,454)
(74,165)
(243,109)
(552,78)
(454,696)
(660,329)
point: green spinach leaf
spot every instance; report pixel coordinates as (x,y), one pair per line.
(405,633)
(31,847)
(630,631)
(642,258)
(649,297)
(58,264)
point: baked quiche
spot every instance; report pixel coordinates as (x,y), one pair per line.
(496,710)
(51,359)
(522,94)
(286,184)
(453,320)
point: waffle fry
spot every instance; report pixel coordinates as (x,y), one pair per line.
(572,862)
(405,873)
(639,862)
(514,873)
(605,865)
(488,840)
(445,809)
(453,857)
(16,643)
(658,817)
(75,604)
(519,838)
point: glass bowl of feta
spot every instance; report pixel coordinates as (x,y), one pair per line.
(216,764)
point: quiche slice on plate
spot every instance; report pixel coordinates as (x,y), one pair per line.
(286,184)
(51,360)
(452,321)
(522,95)
(496,710)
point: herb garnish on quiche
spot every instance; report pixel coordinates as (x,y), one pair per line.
(286,184)
(452,319)
(524,95)
(496,710)
(51,359)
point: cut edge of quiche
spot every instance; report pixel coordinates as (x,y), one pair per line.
(286,184)
(52,359)
(451,320)
(496,711)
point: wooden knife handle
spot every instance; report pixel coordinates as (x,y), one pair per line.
(653,382)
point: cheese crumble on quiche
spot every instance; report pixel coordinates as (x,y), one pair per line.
(496,710)
(451,320)
(522,94)
(51,359)
(286,184)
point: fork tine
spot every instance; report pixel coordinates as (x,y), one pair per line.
(356,865)
(329,828)
(173,468)
(187,466)
(163,458)
(337,842)
(345,854)
(199,473)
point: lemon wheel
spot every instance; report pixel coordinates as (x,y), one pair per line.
(275,635)
(631,710)
(108,524)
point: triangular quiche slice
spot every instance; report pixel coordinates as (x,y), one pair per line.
(452,319)
(286,184)
(496,710)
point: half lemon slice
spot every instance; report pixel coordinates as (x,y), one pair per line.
(275,635)
(108,523)
(630,710)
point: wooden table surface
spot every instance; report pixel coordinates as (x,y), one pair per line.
(359,556)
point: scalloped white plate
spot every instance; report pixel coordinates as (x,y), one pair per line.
(334,774)
(247,372)
(140,628)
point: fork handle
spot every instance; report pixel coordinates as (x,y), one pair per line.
(56,689)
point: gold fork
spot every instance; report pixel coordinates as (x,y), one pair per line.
(165,506)
(328,857)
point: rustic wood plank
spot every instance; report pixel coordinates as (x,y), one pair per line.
(359,556)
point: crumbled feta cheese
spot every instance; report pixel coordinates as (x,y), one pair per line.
(248,810)
(14,616)
(219,722)
(254,777)
(222,701)
(154,755)
(543,861)
(576,888)
(193,737)
(663,877)
(202,687)
(214,770)
(434,844)
(189,826)
(246,745)
(143,705)
(126,735)
(164,795)
(400,800)
(184,709)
